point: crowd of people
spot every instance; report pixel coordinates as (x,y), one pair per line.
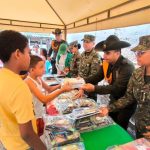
(21,102)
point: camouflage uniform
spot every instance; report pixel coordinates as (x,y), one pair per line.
(89,64)
(74,65)
(89,61)
(138,91)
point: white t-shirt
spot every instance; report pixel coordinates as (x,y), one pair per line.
(39,109)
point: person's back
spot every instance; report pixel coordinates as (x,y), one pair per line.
(11,87)
(17,118)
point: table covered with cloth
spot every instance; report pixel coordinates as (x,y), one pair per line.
(101,139)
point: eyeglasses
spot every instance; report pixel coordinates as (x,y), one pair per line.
(139,53)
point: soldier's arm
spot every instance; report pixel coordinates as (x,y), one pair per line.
(97,77)
(119,85)
(126,100)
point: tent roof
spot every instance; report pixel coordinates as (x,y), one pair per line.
(74,16)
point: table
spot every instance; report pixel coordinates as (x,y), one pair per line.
(102,138)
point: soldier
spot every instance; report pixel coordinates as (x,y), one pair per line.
(54,49)
(138,90)
(74,65)
(116,70)
(89,61)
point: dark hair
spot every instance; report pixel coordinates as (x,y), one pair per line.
(44,52)
(10,41)
(78,46)
(34,60)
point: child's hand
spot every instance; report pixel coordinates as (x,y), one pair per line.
(67,87)
(79,94)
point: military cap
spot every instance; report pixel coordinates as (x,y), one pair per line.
(144,44)
(73,43)
(57,31)
(111,43)
(88,37)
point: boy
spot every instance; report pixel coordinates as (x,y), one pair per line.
(16,110)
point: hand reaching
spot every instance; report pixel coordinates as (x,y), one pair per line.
(79,94)
(104,111)
(88,87)
(66,87)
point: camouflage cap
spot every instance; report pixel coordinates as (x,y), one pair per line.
(73,43)
(144,44)
(88,37)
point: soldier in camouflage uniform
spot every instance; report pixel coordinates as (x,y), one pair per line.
(138,90)
(89,61)
(74,65)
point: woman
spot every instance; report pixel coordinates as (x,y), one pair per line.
(63,60)
(74,66)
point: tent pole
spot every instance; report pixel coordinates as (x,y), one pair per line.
(65,33)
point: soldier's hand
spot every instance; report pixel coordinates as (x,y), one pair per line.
(103,111)
(88,87)
(147,134)
(66,87)
(79,94)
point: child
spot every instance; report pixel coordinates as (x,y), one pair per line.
(17,119)
(43,54)
(74,64)
(36,84)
